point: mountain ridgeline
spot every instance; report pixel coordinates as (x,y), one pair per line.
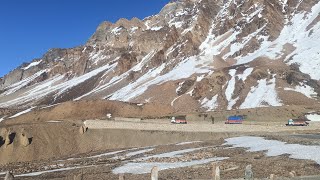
(194,55)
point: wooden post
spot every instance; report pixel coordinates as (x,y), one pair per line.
(215,171)
(121,177)
(272,177)
(248,174)
(154,173)
(292,174)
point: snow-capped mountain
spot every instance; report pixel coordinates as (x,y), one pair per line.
(193,55)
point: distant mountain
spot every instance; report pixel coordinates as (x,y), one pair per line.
(193,55)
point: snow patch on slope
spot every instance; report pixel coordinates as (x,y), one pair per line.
(21,84)
(52,86)
(295,32)
(22,112)
(32,64)
(183,70)
(263,95)
(210,104)
(232,83)
(303,89)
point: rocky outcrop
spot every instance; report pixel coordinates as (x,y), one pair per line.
(13,77)
(83,129)
(25,139)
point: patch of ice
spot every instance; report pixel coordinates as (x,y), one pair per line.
(139,152)
(185,143)
(173,154)
(54,170)
(144,167)
(276,148)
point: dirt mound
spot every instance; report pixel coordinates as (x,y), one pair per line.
(95,109)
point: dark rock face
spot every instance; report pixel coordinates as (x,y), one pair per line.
(13,77)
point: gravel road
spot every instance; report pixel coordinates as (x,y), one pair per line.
(197,127)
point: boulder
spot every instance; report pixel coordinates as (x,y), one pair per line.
(83,129)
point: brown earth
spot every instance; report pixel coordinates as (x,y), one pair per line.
(54,134)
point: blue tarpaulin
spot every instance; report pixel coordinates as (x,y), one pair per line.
(235,118)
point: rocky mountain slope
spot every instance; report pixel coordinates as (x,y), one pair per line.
(193,55)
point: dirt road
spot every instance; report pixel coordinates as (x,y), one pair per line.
(164,125)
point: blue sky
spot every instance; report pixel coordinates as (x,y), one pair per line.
(28,28)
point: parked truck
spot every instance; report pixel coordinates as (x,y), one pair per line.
(234,120)
(179,120)
(297,122)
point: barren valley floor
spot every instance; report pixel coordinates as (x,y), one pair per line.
(110,148)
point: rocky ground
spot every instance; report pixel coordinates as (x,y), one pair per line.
(95,149)
(96,166)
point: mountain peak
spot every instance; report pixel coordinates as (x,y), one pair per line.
(211,54)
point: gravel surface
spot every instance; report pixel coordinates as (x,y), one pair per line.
(199,127)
